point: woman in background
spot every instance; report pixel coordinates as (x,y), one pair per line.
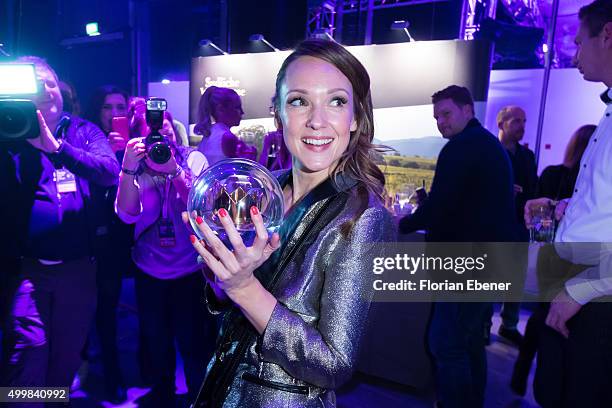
(274,153)
(557,182)
(219,110)
(109,102)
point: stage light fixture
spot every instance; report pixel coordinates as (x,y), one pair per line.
(92,29)
(207,48)
(259,38)
(402,25)
(323,34)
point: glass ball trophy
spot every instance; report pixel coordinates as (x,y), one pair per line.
(236,185)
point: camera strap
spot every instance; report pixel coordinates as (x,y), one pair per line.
(62,127)
(65,180)
(165,226)
(163,187)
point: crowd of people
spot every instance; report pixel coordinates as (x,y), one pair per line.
(91,205)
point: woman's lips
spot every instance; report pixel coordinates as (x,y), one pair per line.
(317,144)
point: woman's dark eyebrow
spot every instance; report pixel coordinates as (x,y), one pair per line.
(299,90)
(336,90)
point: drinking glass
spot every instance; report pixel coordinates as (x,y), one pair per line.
(542,224)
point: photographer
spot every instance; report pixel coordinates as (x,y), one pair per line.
(169,287)
(55,221)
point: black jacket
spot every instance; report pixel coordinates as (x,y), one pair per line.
(85,152)
(525,173)
(471,198)
(557,182)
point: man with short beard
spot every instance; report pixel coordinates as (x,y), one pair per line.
(511,124)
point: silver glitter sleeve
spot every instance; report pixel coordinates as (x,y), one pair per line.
(324,352)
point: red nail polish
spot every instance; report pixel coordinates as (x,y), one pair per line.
(222,213)
(193,239)
(254,210)
(199,220)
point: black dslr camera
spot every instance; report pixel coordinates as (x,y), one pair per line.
(18,120)
(157,145)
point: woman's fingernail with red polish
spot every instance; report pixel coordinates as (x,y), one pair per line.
(254,210)
(222,213)
(199,220)
(193,239)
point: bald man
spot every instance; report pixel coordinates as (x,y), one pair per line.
(511,129)
(511,124)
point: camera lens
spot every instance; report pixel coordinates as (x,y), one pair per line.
(18,120)
(159,152)
(13,122)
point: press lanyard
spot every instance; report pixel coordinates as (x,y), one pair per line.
(163,194)
(165,226)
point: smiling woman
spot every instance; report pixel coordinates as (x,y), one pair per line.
(316,115)
(297,302)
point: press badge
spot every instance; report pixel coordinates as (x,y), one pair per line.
(165,230)
(65,181)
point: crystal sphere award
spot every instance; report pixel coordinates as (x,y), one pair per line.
(236,185)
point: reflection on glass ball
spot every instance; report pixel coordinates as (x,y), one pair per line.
(236,185)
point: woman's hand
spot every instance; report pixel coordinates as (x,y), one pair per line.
(208,274)
(532,205)
(117,142)
(45,140)
(233,270)
(134,152)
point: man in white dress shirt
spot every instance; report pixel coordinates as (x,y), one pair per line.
(582,312)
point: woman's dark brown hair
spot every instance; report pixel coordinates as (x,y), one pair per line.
(577,144)
(357,161)
(213,97)
(97,101)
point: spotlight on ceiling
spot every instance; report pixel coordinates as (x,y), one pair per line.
(258,39)
(402,25)
(323,34)
(206,48)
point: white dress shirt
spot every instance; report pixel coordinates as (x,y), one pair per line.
(588,217)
